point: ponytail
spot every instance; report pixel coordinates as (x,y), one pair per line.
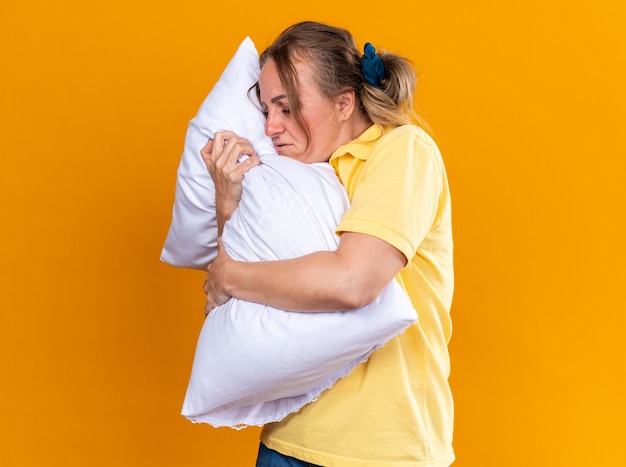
(389,101)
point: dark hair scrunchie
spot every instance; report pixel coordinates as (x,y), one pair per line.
(372,67)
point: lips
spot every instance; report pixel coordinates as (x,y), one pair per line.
(279,146)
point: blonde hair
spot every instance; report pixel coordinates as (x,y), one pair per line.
(336,62)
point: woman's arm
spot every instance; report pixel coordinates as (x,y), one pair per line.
(345,279)
(222,156)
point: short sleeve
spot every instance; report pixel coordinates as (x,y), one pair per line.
(398,196)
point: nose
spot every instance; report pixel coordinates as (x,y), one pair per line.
(273,123)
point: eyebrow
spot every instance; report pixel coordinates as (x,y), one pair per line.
(277,98)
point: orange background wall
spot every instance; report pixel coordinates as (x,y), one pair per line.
(527,100)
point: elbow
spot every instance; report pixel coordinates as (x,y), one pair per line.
(358,297)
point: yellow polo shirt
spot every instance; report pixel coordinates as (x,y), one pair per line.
(396,409)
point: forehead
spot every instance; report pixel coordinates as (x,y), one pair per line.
(269,77)
(270,84)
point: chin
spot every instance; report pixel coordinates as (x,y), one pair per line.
(288,151)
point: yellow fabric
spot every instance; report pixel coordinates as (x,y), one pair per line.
(396,409)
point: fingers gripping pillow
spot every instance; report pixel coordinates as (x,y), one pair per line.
(191,241)
(255,364)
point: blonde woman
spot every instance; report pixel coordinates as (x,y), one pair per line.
(326,101)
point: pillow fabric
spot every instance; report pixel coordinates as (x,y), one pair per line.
(255,364)
(192,237)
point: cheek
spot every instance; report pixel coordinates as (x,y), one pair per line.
(297,133)
(322,130)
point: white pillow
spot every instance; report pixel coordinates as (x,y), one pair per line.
(255,364)
(192,237)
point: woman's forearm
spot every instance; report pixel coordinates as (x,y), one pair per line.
(223,158)
(309,283)
(345,279)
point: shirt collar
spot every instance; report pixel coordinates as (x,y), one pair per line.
(362,146)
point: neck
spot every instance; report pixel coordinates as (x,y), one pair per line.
(358,126)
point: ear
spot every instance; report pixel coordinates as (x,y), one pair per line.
(345,104)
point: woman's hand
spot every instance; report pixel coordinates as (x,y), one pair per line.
(215,295)
(222,156)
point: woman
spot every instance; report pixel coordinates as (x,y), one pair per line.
(326,102)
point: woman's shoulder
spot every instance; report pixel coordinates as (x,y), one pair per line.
(409,136)
(407,131)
